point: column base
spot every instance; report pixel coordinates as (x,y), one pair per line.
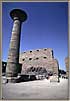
(11,79)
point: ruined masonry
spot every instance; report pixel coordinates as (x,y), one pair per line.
(36,58)
(39,58)
(67,65)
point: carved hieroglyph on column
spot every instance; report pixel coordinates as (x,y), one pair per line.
(18,17)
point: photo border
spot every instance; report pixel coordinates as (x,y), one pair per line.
(1,44)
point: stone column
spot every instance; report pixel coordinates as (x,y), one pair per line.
(18,17)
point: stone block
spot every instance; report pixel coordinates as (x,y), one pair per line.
(54,79)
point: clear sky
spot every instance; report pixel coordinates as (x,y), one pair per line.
(46,27)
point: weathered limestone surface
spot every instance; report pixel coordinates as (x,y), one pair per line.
(18,17)
(67,66)
(39,58)
(13,57)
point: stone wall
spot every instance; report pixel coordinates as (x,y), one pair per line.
(67,66)
(39,58)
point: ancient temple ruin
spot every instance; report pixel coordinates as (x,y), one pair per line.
(33,61)
(40,58)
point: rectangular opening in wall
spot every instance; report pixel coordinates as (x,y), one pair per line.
(23,59)
(44,57)
(37,50)
(37,58)
(30,58)
(45,49)
(30,51)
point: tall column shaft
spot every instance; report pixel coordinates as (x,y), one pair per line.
(12,68)
(13,57)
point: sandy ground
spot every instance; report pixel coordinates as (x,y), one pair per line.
(40,89)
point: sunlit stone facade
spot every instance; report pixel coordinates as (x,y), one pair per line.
(39,58)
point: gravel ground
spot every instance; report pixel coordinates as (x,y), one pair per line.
(39,89)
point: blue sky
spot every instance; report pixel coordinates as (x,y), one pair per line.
(46,27)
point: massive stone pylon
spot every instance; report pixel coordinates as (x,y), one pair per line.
(18,17)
